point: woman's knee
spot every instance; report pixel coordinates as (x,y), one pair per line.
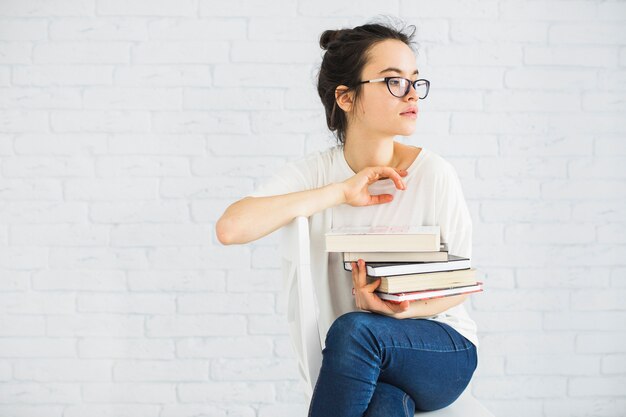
(350,328)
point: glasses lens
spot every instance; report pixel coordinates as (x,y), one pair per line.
(398,86)
(422,87)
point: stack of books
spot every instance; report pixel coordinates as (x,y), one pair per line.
(411,261)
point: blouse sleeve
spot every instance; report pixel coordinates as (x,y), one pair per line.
(453,215)
(295,176)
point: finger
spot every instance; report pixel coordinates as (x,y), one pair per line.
(373,285)
(379,199)
(361,280)
(392,174)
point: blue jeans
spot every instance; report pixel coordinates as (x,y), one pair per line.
(375,365)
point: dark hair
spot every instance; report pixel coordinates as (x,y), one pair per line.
(343,62)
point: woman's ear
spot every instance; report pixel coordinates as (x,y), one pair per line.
(344,98)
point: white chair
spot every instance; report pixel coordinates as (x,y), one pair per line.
(306,337)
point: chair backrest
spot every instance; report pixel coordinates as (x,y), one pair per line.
(303,313)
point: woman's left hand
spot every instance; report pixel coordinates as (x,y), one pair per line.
(365,297)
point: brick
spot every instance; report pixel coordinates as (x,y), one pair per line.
(609,102)
(81,52)
(36,167)
(97,258)
(110,410)
(598,299)
(194,121)
(451,9)
(255,369)
(286,52)
(160,235)
(40,393)
(231,99)
(132,212)
(550,233)
(126,303)
(474,55)
(111,325)
(278,28)
(528,343)
(163,75)
(583,189)
(128,98)
(100,29)
(225,347)
(62,144)
(256,145)
(520,167)
(23,121)
(574,407)
(16,325)
(218,410)
(551,79)
(33,8)
(15,29)
(599,386)
(525,211)
(246,8)
(37,347)
(222,391)
(156,144)
(206,29)
(522,101)
(258,303)
(521,300)
(62,75)
(146,8)
(518,387)
(597,211)
(16,52)
(613,364)
(62,370)
(471,31)
(571,278)
(183,280)
(588,33)
(17,212)
(109,121)
(188,52)
(601,342)
(110,189)
(546,10)
(112,393)
(126,348)
(14,280)
(59,235)
(23,258)
(329,8)
(552,365)
(160,371)
(283,410)
(196,325)
(572,56)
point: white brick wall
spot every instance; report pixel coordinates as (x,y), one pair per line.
(128,126)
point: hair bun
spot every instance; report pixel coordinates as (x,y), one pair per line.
(330,36)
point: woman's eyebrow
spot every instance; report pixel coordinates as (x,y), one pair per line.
(397,70)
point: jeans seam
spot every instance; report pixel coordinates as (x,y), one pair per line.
(405,402)
(426,350)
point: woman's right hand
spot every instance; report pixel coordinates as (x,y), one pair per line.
(355,188)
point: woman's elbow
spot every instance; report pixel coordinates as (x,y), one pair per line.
(223,231)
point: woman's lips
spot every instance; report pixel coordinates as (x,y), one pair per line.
(410,114)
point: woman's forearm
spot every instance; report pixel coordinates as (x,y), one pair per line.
(432,307)
(252,218)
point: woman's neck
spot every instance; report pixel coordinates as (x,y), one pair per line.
(364,152)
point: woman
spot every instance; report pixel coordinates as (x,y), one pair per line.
(375,363)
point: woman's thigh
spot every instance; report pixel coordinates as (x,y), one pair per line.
(428,360)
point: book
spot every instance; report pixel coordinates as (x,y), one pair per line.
(424,281)
(432,293)
(383,239)
(440,256)
(378,269)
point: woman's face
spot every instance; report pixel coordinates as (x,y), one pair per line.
(377,110)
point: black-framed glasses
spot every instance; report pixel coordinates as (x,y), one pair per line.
(400,87)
